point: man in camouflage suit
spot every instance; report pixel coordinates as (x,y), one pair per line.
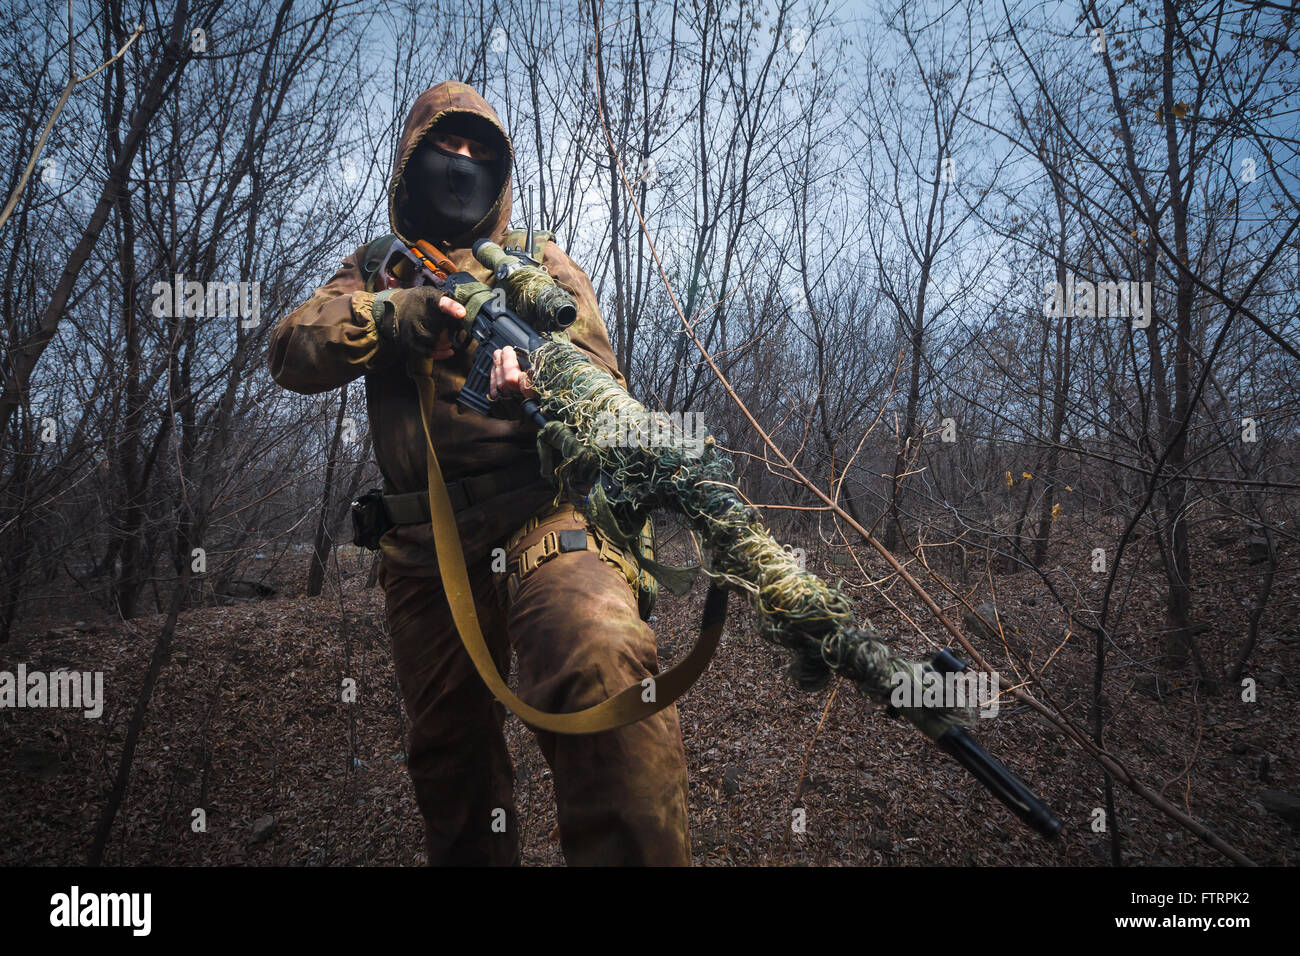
(571,620)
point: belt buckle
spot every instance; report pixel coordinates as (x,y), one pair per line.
(550,545)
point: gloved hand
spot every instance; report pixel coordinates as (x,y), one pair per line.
(420,320)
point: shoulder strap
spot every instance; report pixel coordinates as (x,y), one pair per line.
(515,240)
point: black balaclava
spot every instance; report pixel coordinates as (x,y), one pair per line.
(449,194)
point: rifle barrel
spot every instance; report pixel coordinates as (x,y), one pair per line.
(988,770)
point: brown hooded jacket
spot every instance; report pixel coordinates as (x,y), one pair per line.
(331,339)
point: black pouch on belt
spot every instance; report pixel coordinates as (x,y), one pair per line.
(369,519)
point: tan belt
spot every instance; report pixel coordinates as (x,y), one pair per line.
(555,543)
(627,706)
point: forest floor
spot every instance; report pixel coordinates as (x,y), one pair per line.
(247,723)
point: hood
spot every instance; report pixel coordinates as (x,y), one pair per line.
(431,106)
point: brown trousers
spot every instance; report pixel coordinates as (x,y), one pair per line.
(621,796)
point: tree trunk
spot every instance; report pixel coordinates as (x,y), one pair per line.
(324,541)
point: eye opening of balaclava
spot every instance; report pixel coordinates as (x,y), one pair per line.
(447,194)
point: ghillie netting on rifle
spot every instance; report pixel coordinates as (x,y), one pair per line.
(796,608)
